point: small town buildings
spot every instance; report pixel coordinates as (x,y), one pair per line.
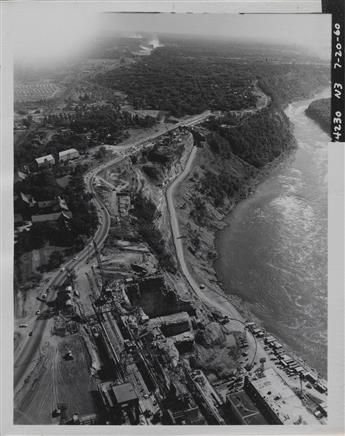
(45,160)
(67,155)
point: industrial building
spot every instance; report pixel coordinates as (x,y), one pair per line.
(121,402)
(276,401)
(241,410)
(172,325)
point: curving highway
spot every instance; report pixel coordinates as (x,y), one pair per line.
(30,349)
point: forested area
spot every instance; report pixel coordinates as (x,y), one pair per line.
(259,139)
(187,77)
(238,154)
(320,111)
(168,80)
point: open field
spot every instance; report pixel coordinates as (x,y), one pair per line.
(35,91)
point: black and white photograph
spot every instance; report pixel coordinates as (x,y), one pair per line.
(170,216)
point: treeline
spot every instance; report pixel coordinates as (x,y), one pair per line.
(288,82)
(105,117)
(259,139)
(235,157)
(320,111)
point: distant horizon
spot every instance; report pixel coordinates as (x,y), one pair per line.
(57,34)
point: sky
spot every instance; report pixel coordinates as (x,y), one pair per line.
(308,30)
(57,30)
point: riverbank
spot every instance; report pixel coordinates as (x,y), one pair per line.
(201,256)
(275,244)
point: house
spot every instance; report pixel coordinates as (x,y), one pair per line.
(19,176)
(69,154)
(28,199)
(45,203)
(45,160)
(51,217)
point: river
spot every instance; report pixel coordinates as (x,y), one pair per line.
(273,252)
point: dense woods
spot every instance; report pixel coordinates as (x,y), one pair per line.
(257,140)
(189,77)
(168,80)
(320,111)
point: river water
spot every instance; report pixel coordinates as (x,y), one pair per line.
(273,253)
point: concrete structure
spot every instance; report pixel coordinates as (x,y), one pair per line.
(45,161)
(172,325)
(210,400)
(184,341)
(121,401)
(240,409)
(151,294)
(276,401)
(69,154)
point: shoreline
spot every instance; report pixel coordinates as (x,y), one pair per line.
(239,302)
(207,272)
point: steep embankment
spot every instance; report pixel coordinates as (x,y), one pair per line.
(320,111)
(224,172)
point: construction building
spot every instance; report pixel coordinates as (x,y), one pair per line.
(121,402)
(276,401)
(241,410)
(172,325)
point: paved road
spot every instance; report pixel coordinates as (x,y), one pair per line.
(30,349)
(178,242)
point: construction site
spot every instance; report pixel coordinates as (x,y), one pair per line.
(142,342)
(126,344)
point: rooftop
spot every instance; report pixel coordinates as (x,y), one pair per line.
(124,393)
(70,150)
(281,399)
(246,409)
(46,158)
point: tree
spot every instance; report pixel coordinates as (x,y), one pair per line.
(55,259)
(101,153)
